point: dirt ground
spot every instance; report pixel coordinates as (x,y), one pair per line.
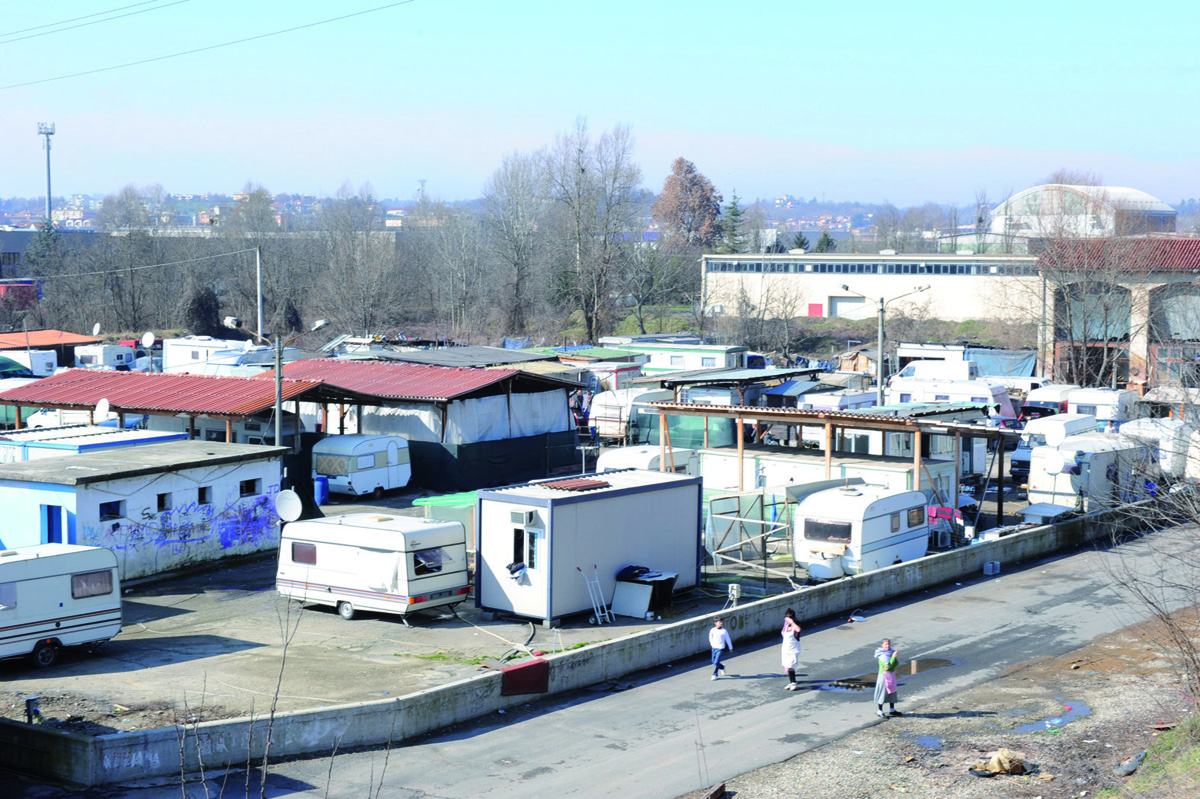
(1073,718)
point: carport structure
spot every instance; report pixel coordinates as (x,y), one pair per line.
(232,399)
(830,422)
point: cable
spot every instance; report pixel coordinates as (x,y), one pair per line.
(76,19)
(85,24)
(139,268)
(205,49)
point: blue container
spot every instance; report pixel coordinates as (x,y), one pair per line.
(321,490)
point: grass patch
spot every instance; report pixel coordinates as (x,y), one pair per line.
(1172,766)
(442,656)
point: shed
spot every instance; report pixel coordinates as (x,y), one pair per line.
(537,542)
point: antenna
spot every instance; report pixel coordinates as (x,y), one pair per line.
(420,195)
(47,129)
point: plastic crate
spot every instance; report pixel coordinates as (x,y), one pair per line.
(991,567)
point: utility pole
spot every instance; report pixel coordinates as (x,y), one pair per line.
(47,130)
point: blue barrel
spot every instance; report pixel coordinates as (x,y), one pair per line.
(321,489)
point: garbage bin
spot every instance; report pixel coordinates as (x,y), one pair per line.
(321,490)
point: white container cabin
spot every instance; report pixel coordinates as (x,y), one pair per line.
(538,542)
(360,464)
(56,595)
(1092,471)
(31,443)
(855,529)
(373,562)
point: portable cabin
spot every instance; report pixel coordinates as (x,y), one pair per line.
(1092,471)
(1168,440)
(56,595)
(367,561)
(1112,407)
(103,356)
(1047,431)
(539,544)
(855,529)
(362,464)
(611,410)
(1046,401)
(648,457)
(977,391)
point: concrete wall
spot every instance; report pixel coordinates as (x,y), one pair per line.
(126,757)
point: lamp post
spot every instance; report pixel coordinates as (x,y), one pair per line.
(278,345)
(879,351)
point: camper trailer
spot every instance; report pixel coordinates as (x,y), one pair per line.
(978,391)
(855,529)
(1092,471)
(259,429)
(1112,407)
(42,363)
(611,410)
(366,561)
(104,356)
(56,595)
(362,464)
(1046,401)
(938,370)
(648,457)
(1047,431)
(1168,439)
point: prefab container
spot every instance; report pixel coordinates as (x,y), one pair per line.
(366,561)
(1111,406)
(855,529)
(539,543)
(56,595)
(1092,471)
(361,464)
(32,443)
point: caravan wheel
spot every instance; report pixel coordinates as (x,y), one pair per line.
(44,654)
(345,610)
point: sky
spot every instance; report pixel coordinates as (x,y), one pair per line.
(871,101)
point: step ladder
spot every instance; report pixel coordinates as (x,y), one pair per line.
(596,595)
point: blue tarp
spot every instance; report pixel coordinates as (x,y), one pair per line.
(1011,363)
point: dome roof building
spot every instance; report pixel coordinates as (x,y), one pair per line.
(1059,210)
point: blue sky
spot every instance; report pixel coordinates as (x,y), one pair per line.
(871,101)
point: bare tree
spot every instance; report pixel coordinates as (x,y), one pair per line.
(514,199)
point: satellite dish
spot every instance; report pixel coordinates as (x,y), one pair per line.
(1056,462)
(288,505)
(148,339)
(247,345)
(96,329)
(101,412)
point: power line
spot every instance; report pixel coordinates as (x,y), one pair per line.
(206,49)
(85,24)
(76,19)
(143,266)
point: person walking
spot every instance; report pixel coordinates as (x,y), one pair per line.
(719,640)
(790,649)
(885,683)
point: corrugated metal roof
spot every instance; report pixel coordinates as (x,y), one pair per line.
(397,380)
(43,338)
(154,393)
(462,356)
(1141,255)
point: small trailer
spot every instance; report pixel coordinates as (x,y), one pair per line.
(648,457)
(104,356)
(362,464)
(369,561)
(1169,439)
(1111,406)
(56,595)
(855,529)
(612,412)
(1093,471)
(1047,431)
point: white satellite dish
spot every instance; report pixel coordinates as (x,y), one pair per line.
(288,505)
(148,339)
(96,329)
(1055,462)
(101,412)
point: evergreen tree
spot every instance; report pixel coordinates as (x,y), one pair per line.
(735,238)
(826,243)
(800,242)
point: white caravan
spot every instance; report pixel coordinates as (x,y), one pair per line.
(368,561)
(56,595)
(1047,431)
(362,464)
(1111,406)
(42,363)
(979,391)
(104,356)
(1092,471)
(1046,401)
(938,370)
(611,410)
(648,457)
(258,429)
(854,529)
(1168,439)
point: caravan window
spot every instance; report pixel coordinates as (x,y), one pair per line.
(915,516)
(365,462)
(8,596)
(332,465)
(817,530)
(1090,410)
(96,583)
(304,553)
(428,561)
(895,522)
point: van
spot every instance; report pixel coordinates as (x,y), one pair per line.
(1110,406)
(1047,431)
(938,370)
(56,595)
(1046,401)
(362,464)
(369,561)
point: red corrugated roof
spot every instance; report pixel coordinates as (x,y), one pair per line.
(1141,255)
(138,391)
(397,380)
(43,338)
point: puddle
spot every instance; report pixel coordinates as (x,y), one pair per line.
(866,682)
(1078,710)
(925,741)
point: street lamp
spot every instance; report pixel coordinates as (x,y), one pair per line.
(278,345)
(879,352)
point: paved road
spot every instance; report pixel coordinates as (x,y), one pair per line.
(672,730)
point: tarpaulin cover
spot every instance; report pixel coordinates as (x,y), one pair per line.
(483,419)
(415,421)
(1012,363)
(545,412)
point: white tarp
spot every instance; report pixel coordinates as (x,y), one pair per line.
(483,419)
(414,421)
(535,414)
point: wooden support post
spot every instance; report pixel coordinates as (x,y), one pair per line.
(18,417)
(957,470)
(662,442)
(1000,482)
(828,450)
(917,459)
(706,432)
(191,427)
(741,439)
(228,431)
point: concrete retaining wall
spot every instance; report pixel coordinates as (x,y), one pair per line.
(126,757)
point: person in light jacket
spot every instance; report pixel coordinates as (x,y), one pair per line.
(887,659)
(790,652)
(720,642)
